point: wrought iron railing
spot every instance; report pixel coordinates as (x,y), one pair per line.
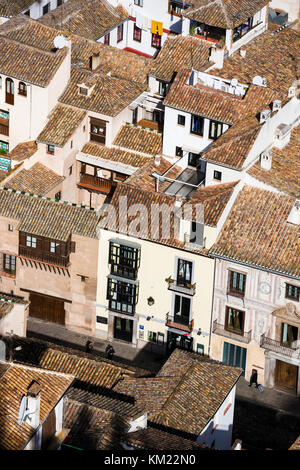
(44,257)
(179,321)
(243,336)
(182,288)
(279,347)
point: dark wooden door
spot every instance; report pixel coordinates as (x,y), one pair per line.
(286,375)
(47,308)
(9,91)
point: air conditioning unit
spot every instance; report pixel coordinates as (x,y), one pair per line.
(264,115)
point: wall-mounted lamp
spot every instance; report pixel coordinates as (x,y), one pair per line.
(150,301)
(199,332)
(148,318)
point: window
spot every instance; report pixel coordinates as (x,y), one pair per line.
(71,144)
(184,272)
(217,175)
(10,227)
(137,33)
(234,320)
(46,8)
(4,147)
(50,149)
(120,32)
(289,334)
(193,159)
(54,247)
(175,8)
(162,88)
(122,296)
(30,241)
(182,307)
(58,196)
(215,129)
(197,125)
(9,91)
(9,264)
(138,3)
(292,292)
(107,39)
(83,91)
(59,2)
(178,152)
(124,260)
(237,283)
(156,41)
(98,131)
(70,170)
(152,336)
(22,89)
(0,82)
(181,120)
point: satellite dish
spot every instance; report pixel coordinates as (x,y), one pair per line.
(22,410)
(59,42)
(234,82)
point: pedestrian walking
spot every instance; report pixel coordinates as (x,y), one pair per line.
(253,378)
(89,347)
(109,351)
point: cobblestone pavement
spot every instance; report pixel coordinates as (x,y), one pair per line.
(268,419)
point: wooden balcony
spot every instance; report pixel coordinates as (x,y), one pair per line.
(176,321)
(95,183)
(4,126)
(243,337)
(187,289)
(150,125)
(44,257)
(279,347)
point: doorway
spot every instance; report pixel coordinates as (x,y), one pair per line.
(286,376)
(123,329)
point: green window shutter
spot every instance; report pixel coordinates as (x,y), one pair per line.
(225,352)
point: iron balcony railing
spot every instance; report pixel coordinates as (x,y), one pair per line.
(178,322)
(242,336)
(44,257)
(186,288)
(279,347)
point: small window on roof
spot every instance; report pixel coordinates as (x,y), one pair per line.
(83,91)
(22,89)
(50,149)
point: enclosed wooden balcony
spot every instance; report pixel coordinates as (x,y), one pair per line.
(96,183)
(4,126)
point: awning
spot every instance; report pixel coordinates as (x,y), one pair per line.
(157,27)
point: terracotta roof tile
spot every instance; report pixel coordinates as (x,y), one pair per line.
(285,170)
(257,233)
(137,139)
(62,123)
(38,180)
(23,151)
(13,385)
(10,8)
(115,155)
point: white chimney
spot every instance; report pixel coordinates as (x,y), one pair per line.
(243,52)
(282,135)
(276,105)
(294,216)
(157,160)
(266,160)
(33,404)
(292,92)
(264,115)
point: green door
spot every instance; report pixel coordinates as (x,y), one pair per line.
(234,355)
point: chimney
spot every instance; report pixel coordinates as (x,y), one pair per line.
(157,160)
(264,116)
(294,216)
(276,105)
(266,160)
(243,53)
(33,404)
(94,61)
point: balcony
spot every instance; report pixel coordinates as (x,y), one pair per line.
(44,257)
(279,347)
(221,330)
(176,321)
(95,183)
(187,289)
(4,126)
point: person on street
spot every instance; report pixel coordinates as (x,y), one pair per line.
(109,351)
(253,378)
(89,347)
